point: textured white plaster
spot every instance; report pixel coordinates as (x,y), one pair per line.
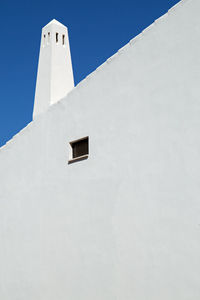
(123,224)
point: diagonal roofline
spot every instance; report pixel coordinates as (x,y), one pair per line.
(131,43)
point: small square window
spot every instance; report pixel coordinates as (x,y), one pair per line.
(79,149)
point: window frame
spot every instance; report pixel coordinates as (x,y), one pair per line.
(78,158)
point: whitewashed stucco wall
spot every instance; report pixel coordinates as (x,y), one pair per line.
(124,224)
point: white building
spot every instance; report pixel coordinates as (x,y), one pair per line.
(123,223)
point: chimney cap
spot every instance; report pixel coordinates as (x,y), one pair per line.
(55,22)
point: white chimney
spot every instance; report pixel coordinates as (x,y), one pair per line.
(55,76)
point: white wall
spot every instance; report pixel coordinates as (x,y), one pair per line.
(123,224)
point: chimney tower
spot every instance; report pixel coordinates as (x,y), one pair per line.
(55,76)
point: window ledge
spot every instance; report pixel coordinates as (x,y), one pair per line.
(79,158)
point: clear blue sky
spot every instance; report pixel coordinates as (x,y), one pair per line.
(97,29)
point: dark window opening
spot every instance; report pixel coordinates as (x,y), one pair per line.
(80,149)
(56,37)
(63,39)
(48,37)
